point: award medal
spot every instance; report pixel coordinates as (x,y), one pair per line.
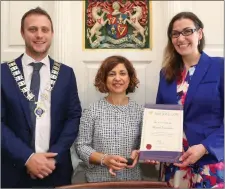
(40,109)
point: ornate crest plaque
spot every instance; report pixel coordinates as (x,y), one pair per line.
(117,24)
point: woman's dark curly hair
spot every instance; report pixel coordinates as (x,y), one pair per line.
(107,65)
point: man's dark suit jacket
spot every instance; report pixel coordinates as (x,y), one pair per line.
(16,129)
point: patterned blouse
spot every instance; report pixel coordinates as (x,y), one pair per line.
(109,129)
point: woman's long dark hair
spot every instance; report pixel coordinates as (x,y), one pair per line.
(172,61)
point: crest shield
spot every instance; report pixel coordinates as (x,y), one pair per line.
(116,27)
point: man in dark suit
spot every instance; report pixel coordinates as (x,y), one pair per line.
(40,111)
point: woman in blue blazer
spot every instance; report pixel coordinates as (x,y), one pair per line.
(195,80)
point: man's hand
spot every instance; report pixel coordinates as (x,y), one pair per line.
(51,161)
(193,154)
(41,164)
(31,175)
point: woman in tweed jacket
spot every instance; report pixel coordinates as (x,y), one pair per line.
(110,128)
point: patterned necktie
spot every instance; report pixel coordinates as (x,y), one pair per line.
(34,88)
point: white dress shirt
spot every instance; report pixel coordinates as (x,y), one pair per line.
(43,124)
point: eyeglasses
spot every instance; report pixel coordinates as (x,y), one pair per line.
(185,32)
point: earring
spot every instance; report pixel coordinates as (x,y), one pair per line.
(199,42)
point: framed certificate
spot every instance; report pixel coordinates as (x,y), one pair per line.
(162,133)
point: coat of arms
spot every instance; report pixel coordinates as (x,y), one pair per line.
(113,24)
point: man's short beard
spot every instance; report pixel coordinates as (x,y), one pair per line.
(33,51)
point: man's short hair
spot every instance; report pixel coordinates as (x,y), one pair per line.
(35,11)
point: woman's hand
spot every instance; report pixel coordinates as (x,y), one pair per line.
(115,162)
(153,162)
(193,154)
(134,156)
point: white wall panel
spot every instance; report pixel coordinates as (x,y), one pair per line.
(212,15)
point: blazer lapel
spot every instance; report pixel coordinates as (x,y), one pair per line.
(23,100)
(200,71)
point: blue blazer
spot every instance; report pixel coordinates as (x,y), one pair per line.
(16,128)
(203,108)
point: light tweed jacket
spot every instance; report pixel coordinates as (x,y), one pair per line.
(109,129)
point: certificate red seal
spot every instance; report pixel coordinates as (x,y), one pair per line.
(148,146)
